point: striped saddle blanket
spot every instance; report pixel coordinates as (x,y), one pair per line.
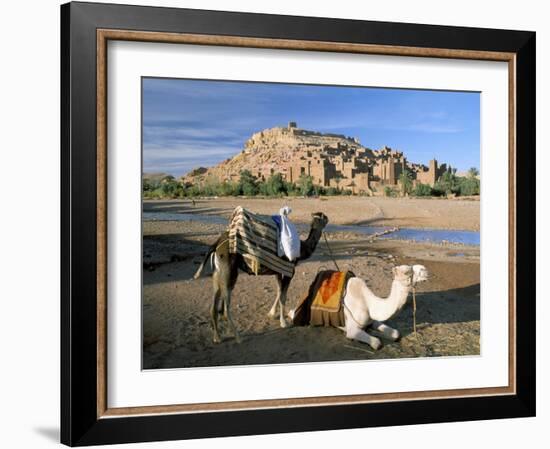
(255,237)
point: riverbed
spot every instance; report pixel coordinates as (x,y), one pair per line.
(176,327)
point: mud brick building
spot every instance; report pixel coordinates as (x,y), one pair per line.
(332,160)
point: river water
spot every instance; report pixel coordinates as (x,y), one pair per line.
(419,235)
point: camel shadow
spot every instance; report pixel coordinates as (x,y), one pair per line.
(184,207)
(458,305)
(172,251)
(342,251)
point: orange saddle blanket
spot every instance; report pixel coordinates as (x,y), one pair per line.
(322,304)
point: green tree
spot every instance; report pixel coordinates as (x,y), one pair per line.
(193,190)
(146,185)
(229,188)
(167,187)
(262,188)
(211,186)
(447,183)
(275,185)
(405,179)
(473,172)
(305,185)
(248,183)
(291,188)
(167,178)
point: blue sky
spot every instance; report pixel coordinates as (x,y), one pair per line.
(191,123)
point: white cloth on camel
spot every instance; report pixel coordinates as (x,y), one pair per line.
(289,239)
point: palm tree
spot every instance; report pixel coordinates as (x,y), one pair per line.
(473,172)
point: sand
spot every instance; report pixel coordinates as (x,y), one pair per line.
(374,211)
(176,326)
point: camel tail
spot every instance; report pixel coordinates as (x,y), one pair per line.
(221,239)
(205,260)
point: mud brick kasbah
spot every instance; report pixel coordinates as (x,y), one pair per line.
(332,160)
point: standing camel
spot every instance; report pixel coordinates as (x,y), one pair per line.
(226,272)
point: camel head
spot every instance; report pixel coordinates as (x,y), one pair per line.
(403,274)
(318,223)
(319,220)
(420,274)
(410,275)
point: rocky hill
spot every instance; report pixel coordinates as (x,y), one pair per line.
(333,160)
(272,149)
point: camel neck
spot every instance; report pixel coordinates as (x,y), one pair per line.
(399,294)
(308,246)
(382,309)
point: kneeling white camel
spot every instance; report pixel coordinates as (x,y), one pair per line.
(363,309)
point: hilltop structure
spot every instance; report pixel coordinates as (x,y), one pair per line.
(332,160)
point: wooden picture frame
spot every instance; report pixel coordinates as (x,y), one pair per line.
(86,29)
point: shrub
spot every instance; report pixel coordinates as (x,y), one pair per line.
(229,188)
(468,186)
(273,186)
(194,190)
(422,190)
(211,186)
(305,185)
(168,188)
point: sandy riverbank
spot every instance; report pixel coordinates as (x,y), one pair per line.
(374,211)
(176,323)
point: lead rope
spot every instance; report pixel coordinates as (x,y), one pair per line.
(349,311)
(330,252)
(414,311)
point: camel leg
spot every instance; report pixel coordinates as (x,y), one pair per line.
(284,283)
(354,332)
(214,310)
(387,331)
(226,293)
(273,311)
